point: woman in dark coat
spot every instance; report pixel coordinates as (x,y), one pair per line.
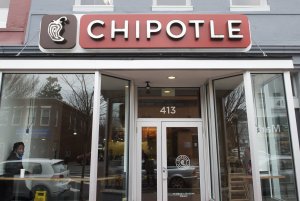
(14,168)
(16,154)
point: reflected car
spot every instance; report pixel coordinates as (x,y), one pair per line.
(182,177)
(48,176)
(177,177)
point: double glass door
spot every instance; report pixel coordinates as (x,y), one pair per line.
(170,161)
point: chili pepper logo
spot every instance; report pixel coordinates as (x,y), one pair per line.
(55,28)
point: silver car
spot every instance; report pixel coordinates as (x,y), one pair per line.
(48,177)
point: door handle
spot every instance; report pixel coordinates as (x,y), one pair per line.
(165,173)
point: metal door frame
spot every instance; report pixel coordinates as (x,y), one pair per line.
(161,124)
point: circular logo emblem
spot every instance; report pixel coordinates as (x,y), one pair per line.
(182,161)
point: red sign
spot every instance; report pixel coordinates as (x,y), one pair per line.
(157,31)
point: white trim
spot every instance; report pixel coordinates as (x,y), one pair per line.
(143,64)
(93,8)
(95,138)
(1,77)
(206,148)
(43,108)
(293,126)
(172,8)
(250,8)
(132,187)
(251,119)
(213,144)
(3,17)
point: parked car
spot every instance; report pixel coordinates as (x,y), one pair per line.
(177,177)
(49,176)
(182,177)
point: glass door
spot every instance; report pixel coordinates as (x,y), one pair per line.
(169,155)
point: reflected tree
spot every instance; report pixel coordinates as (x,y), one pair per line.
(19,85)
(235,114)
(81,98)
(235,104)
(51,89)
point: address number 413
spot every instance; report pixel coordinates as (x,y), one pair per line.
(168,110)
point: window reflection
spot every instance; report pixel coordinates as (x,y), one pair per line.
(233,138)
(96,2)
(274,143)
(35,110)
(149,163)
(177,103)
(112,147)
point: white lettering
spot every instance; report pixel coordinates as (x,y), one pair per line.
(90,26)
(212,31)
(269,129)
(182,26)
(232,31)
(151,23)
(197,24)
(276,129)
(137,29)
(114,30)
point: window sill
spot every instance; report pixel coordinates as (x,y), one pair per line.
(172,8)
(93,8)
(5,29)
(249,8)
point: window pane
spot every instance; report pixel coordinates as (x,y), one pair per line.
(55,158)
(233,138)
(273,135)
(246,2)
(113,139)
(149,165)
(96,2)
(168,103)
(172,2)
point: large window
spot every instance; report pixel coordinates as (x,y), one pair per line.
(172,5)
(93,5)
(55,159)
(235,170)
(295,77)
(249,5)
(274,146)
(4,5)
(113,140)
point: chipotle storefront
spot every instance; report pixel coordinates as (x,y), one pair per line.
(163,115)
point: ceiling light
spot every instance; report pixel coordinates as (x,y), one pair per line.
(168,92)
(148,87)
(171,77)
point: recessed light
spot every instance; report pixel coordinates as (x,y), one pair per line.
(171,77)
(167,91)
